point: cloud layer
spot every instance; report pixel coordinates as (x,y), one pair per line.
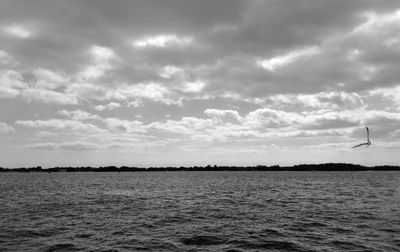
(154,82)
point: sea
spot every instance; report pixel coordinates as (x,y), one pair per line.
(200,211)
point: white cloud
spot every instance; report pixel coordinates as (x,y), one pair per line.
(11,83)
(12,79)
(17,30)
(132,93)
(322,100)
(7,92)
(47,79)
(101,54)
(161,41)
(120,125)
(94,72)
(271,118)
(289,58)
(152,91)
(391,94)
(87,91)
(58,124)
(378,23)
(135,104)
(392,43)
(68,146)
(329,120)
(48,96)
(222,116)
(181,79)
(79,115)
(193,87)
(376,115)
(267,123)
(187,125)
(100,63)
(169,71)
(5,128)
(109,106)
(7,59)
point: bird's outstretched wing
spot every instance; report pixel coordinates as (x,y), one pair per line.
(367,134)
(358,145)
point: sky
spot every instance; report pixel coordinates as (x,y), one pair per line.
(189,82)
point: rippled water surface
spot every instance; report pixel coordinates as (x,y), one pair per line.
(200,211)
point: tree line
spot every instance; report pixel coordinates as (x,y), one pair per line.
(300,167)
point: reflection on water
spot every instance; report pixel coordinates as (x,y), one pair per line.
(200,211)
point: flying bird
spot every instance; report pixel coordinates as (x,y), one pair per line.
(368,143)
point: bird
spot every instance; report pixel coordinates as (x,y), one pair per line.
(367,144)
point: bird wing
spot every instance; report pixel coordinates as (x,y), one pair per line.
(361,144)
(367,134)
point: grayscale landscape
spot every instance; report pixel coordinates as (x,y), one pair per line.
(199,125)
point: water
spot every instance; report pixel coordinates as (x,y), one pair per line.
(200,211)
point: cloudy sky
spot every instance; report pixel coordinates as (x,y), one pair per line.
(189,82)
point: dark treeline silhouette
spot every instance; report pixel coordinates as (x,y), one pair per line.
(301,167)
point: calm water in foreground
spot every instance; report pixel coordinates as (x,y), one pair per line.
(200,211)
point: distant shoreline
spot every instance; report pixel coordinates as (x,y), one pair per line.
(301,167)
